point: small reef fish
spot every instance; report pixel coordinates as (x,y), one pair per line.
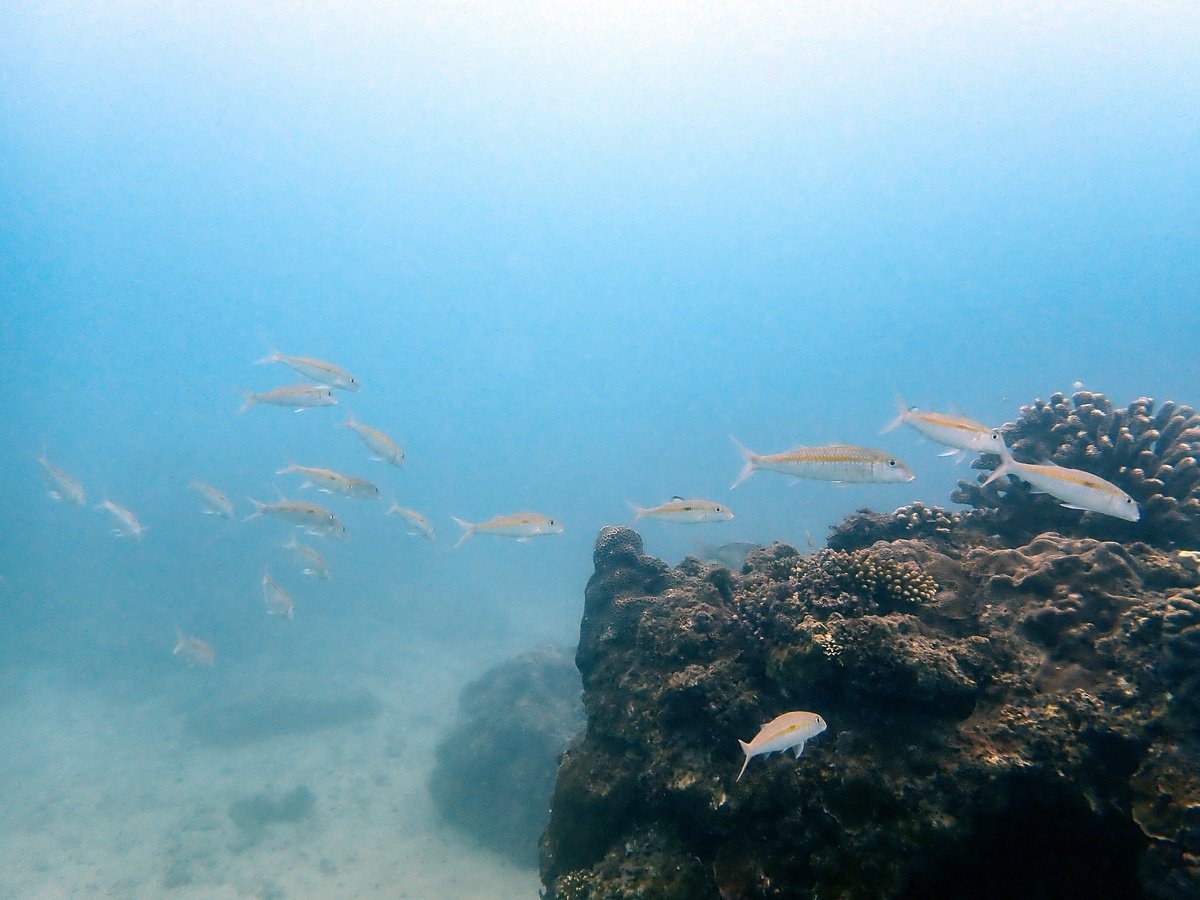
(312,562)
(127,524)
(194,651)
(215,502)
(385,449)
(297,396)
(278,602)
(834,462)
(791,730)
(60,485)
(316,369)
(1074,488)
(963,434)
(312,517)
(522,526)
(731,555)
(417,523)
(684,512)
(332,482)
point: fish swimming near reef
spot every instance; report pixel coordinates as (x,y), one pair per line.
(1074,488)
(194,651)
(833,462)
(279,604)
(788,731)
(958,432)
(316,369)
(417,523)
(521,526)
(127,524)
(312,517)
(332,482)
(59,484)
(295,396)
(684,512)
(732,555)
(385,449)
(312,562)
(215,502)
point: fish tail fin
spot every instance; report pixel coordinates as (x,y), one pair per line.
(291,467)
(394,509)
(250,400)
(638,512)
(350,421)
(1006,466)
(899,420)
(258,509)
(746,750)
(751,458)
(468,530)
(273,356)
(178,641)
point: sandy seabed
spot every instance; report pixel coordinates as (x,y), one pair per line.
(236,782)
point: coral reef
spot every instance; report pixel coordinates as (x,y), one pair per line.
(1151,454)
(495,767)
(1003,720)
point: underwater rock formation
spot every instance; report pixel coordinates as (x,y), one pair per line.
(495,768)
(1003,721)
(1151,454)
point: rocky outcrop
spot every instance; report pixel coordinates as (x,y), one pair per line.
(1002,721)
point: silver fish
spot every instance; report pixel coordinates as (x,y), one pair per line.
(215,502)
(835,462)
(312,562)
(417,523)
(731,555)
(127,524)
(685,512)
(963,434)
(195,651)
(384,448)
(522,526)
(278,602)
(787,732)
(59,484)
(316,369)
(332,482)
(312,517)
(1075,488)
(296,396)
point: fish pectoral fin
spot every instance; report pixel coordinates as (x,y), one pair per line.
(1073,506)
(798,748)
(522,540)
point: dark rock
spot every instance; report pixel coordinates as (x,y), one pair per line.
(1003,721)
(495,768)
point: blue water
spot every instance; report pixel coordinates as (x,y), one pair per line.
(567,253)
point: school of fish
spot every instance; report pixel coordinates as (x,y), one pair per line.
(834,462)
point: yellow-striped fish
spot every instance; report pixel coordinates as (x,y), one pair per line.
(1074,488)
(127,524)
(685,512)
(332,482)
(296,396)
(963,434)
(316,369)
(59,484)
(521,526)
(417,523)
(384,448)
(834,462)
(215,502)
(312,517)
(278,602)
(789,731)
(195,651)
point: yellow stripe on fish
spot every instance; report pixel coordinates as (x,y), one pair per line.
(835,462)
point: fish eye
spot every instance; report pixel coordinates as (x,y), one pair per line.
(995,435)
(891,462)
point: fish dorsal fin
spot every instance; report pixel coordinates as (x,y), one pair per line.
(677,497)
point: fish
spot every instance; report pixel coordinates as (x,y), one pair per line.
(297,396)
(1074,488)
(790,730)
(316,369)
(278,602)
(127,524)
(684,512)
(385,449)
(195,651)
(331,482)
(59,484)
(312,517)
(731,555)
(215,502)
(313,562)
(522,526)
(417,523)
(962,434)
(834,462)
